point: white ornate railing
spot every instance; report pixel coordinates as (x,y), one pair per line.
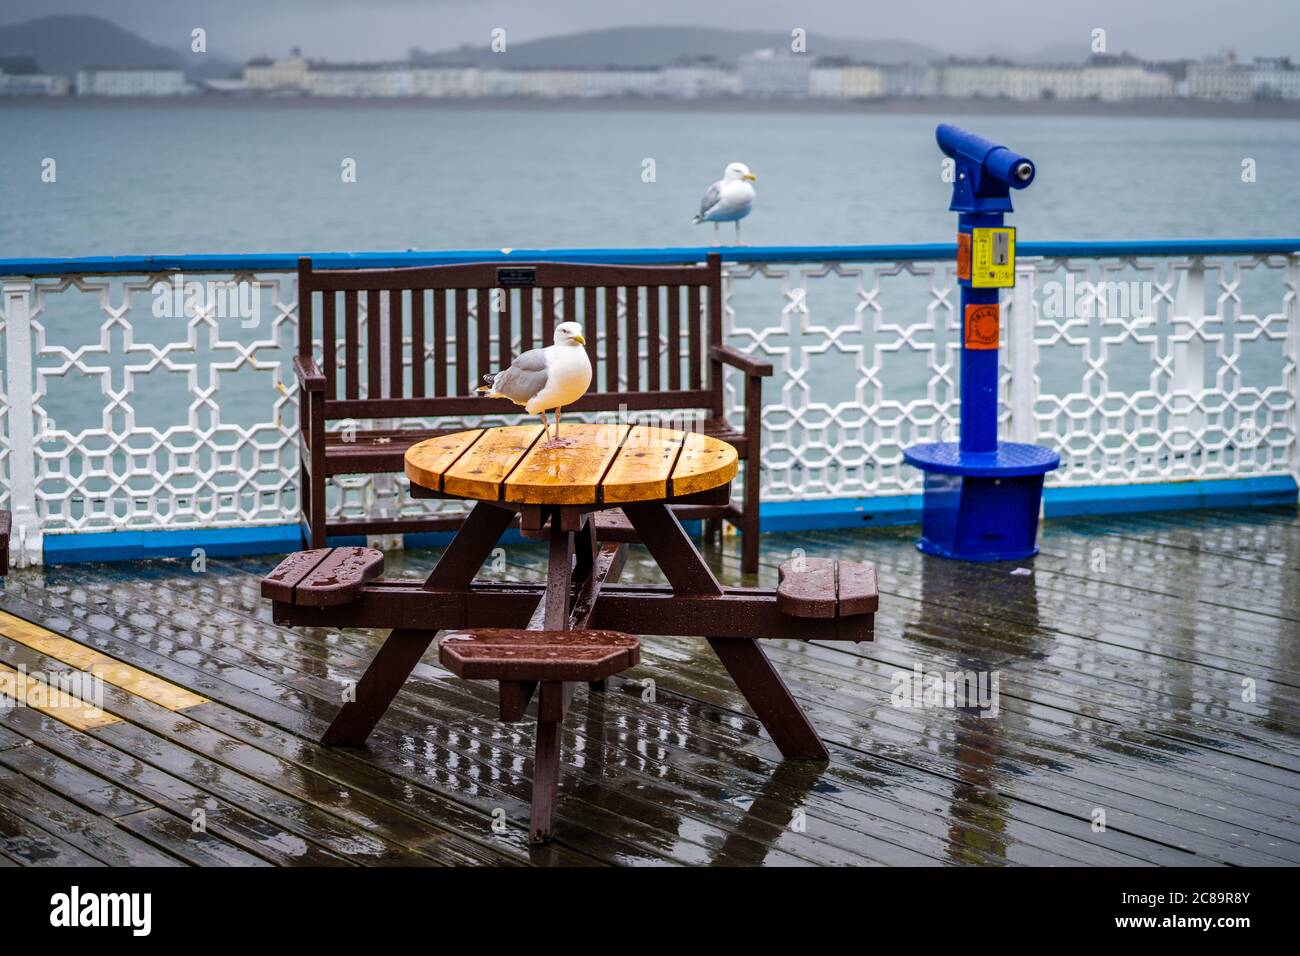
(126,409)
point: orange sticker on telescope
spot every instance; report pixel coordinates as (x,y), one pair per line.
(963,255)
(981,326)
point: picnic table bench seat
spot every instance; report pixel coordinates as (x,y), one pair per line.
(826,588)
(516,654)
(546,661)
(323,577)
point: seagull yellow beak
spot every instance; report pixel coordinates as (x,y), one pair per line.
(581,340)
(751,177)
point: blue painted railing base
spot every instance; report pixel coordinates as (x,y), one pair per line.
(775,516)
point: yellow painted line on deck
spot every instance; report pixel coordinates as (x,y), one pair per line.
(109,669)
(28,691)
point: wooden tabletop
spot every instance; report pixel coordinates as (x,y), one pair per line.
(599,464)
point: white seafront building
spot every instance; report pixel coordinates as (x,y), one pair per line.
(770,74)
(132,81)
(837,78)
(762,74)
(1109,79)
(20,76)
(698,78)
(1224,78)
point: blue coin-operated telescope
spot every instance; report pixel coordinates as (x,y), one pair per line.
(982,496)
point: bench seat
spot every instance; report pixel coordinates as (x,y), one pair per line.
(323,577)
(519,655)
(826,588)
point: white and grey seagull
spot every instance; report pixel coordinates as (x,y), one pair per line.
(541,379)
(730,199)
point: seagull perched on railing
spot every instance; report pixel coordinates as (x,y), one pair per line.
(552,377)
(730,199)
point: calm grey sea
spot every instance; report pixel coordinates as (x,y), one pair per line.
(187,178)
(190,178)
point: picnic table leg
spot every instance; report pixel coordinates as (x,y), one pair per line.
(403,648)
(753,674)
(773,704)
(546,763)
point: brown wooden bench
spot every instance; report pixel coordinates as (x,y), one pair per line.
(6,527)
(445,317)
(550,663)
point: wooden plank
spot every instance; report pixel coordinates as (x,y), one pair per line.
(36,694)
(374,345)
(95,759)
(351,345)
(31,846)
(525,320)
(674,294)
(633,347)
(329,351)
(340,577)
(479,472)
(644,464)
(396,344)
(566,475)
(288,574)
(505,327)
(696,340)
(611,383)
(427,460)
(591,329)
(88,832)
(548,317)
(653,356)
(112,671)
(483,333)
(441,345)
(462,342)
(200,849)
(857,589)
(704,463)
(807,587)
(418,356)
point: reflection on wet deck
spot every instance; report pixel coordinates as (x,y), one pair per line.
(1148,676)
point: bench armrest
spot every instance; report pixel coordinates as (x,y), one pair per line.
(741,361)
(310,377)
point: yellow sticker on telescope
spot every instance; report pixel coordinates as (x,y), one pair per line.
(993,258)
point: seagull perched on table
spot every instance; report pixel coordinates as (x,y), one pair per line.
(729,199)
(546,378)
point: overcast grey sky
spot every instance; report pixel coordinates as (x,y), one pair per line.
(342,29)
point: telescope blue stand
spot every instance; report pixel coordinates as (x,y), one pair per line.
(982,497)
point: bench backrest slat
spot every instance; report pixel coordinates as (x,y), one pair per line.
(423,338)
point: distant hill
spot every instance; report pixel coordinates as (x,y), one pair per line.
(66,43)
(657,46)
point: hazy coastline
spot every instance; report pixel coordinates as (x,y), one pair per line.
(1252,109)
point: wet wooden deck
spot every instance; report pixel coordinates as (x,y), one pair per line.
(1123,659)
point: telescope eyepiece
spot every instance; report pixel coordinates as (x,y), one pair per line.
(1024,171)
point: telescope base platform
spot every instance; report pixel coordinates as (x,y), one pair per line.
(981,506)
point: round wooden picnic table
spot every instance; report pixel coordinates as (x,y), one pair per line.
(581,624)
(590,464)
